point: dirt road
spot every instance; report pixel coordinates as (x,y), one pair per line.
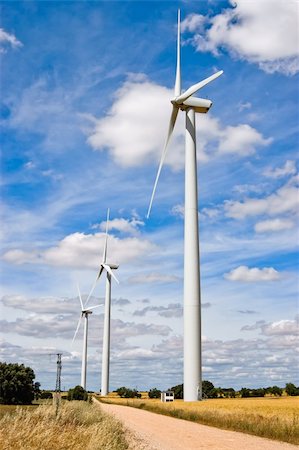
(149,431)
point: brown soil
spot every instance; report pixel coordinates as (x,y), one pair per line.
(150,431)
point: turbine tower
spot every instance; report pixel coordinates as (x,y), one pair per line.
(192,304)
(108,267)
(84,315)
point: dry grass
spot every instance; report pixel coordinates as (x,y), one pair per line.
(274,418)
(78,426)
(11,409)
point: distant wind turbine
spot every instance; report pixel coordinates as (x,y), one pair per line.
(108,267)
(192,306)
(84,314)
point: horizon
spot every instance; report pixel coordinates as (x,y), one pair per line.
(83,128)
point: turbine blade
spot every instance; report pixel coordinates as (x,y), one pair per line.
(181,98)
(80,298)
(77,329)
(110,272)
(100,273)
(177,86)
(93,307)
(94,285)
(172,121)
(106,238)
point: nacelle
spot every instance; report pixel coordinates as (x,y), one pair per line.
(200,105)
(113,266)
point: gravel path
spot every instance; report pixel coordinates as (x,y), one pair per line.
(150,431)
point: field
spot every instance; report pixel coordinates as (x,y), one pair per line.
(79,425)
(270,417)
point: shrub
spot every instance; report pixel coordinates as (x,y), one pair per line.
(154,393)
(46,395)
(124,392)
(77,393)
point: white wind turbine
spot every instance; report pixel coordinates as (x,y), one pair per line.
(192,306)
(107,318)
(84,315)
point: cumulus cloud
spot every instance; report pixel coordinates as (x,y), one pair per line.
(288,169)
(248,275)
(242,139)
(52,326)
(8,39)
(264,32)
(141,132)
(274,225)
(83,251)
(279,328)
(284,200)
(123,225)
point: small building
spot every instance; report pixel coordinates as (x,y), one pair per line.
(167,396)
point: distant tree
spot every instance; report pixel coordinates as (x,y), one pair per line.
(215,393)
(257,392)
(178,391)
(16,384)
(207,389)
(128,393)
(154,393)
(291,389)
(229,392)
(36,390)
(77,393)
(244,392)
(275,390)
(46,395)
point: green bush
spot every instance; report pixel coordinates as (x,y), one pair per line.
(124,392)
(77,393)
(154,393)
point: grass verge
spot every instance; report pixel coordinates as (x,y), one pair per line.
(259,418)
(78,426)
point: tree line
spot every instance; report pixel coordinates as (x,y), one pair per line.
(17,386)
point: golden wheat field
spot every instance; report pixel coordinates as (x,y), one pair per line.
(79,425)
(274,418)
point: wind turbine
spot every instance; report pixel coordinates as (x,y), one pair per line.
(192,305)
(84,315)
(108,267)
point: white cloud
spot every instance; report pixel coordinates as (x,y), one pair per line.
(8,38)
(264,32)
(193,22)
(172,310)
(134,129)
(141,129)
(123,225)
(288,169)
(282,327)
(178,210)
(283,201)
(274,225)
(248,275)
(83,251)
(47,305)
(279,328)
(242,139)
(153,278)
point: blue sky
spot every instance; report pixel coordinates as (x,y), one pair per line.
(85,104)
